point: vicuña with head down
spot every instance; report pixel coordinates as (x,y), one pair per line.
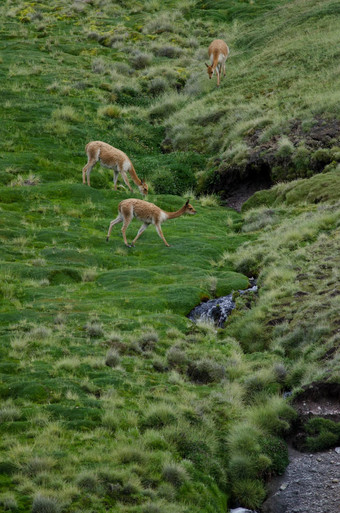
(218,52)
(146,212)
(114,159)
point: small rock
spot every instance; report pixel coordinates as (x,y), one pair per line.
(319,459)
(337,449)
(283,486)
(241,510)
(335,480)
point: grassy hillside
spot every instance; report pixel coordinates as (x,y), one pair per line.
(111,400)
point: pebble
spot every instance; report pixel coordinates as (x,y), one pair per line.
(335,480)
(283,486)
(337,449)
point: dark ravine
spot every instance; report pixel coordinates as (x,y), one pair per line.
(217,310)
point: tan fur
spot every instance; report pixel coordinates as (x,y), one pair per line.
(218,52)
(114,159)
(146,212)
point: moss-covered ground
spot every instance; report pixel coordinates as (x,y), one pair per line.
(111,399)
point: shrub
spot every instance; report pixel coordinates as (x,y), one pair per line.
(325,434)
(174,474)
(43,504)
(277,451)
(206,371)
(112,358)
(164,182)
(209,200)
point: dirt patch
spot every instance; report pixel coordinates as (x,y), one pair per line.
(319,399)
(242,193)
(311,484)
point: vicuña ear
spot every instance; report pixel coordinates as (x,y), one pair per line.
(187,203)
(142,182)
(207,65)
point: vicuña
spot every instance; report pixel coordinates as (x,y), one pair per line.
(114,159)
(218,52)
(146,212)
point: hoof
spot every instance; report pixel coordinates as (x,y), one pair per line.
(107,239)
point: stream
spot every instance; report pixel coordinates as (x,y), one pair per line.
(217,310)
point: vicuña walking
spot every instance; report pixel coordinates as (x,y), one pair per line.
(114,159)
(146,212)
(218,52)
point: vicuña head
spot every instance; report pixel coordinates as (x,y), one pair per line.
(148,213)
(218,52)
(114,159)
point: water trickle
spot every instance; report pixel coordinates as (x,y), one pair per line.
(217,310)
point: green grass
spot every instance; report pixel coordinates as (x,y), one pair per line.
(110,397)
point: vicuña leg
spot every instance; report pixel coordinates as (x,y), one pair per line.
(118,219)
(224,68)
(115,178)
(87,170)
(125,178)
(160,233)
(140,231)
(127,221)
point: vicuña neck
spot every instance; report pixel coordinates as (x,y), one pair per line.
(134,176)
(178,213)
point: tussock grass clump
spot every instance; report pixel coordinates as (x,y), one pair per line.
(206,371)
(112,358)
(94,329)
(65,113)
(175,474)
(8,502)
(88,481)
(209,200)
(98,66)
(9,412)
(249,492)
(148,341)
(177,359)
(159,416)
(42,504)
(109,111)
(140,60)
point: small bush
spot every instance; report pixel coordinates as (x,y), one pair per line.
(209,200)
(206,371)
(112,358)
(164,182)
(325,434)
(175,474)
(43,504)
